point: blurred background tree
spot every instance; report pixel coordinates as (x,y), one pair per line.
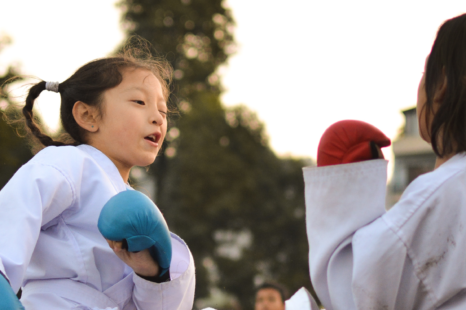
(14,150)
(239,207)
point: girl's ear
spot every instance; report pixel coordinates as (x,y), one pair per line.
(86,116)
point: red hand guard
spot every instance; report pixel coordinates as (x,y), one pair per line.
(349,141)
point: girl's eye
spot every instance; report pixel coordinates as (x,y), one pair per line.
(164,113)
(139,102)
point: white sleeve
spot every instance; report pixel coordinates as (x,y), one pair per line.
(340,200)
(356,259)
(35,195)
(177,294)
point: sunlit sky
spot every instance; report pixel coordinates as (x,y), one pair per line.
(301,65)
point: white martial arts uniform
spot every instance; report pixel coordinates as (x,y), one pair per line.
(50,244)
(411,257)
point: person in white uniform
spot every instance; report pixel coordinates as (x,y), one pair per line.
(413,256)
(115,111)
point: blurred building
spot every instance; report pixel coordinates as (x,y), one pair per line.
(413,157)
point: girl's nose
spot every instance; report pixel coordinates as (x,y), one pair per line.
(157,118)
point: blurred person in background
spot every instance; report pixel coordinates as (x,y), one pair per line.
(270,296)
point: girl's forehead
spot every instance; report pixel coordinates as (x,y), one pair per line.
(139,79)
(138,76)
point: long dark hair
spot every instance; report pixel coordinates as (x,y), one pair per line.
(87,84)
(447,61)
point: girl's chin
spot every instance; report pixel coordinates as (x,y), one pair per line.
(148,161)
(144,159)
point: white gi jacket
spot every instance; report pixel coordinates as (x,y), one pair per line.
(411,257)
(50,243)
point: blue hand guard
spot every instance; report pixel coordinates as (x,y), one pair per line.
(8,299)
(132,216)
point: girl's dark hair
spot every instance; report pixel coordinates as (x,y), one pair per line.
(88,84)
(447,61)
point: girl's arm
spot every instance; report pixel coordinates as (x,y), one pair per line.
(340,199)
(162,264)
(35,195)
(356,261)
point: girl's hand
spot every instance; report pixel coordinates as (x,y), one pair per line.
(141,262)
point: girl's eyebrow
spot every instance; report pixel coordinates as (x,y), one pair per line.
(160,98)
(135,88)
(143,90)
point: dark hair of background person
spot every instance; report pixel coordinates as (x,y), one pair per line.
(273,285)
(88,84)
(447,61)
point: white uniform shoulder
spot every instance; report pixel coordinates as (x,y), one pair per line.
(432,181)
(78,162)
(428,187)
(59,156)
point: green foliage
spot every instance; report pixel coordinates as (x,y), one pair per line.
(224,182)
(15,151)
(239,207)
(195,36)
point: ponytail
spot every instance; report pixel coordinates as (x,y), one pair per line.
(34,92)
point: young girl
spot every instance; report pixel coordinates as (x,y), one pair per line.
(115,110)
(413,256)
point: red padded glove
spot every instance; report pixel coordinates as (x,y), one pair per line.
(350,141)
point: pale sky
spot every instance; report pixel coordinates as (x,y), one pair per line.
(301,65)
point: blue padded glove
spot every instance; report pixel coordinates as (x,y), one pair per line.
(132,217)
(8,299)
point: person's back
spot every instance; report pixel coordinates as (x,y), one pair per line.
(429,221)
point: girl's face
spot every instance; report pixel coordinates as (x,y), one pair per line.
(420,107)
(133,124)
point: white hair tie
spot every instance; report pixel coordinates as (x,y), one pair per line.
(52,86)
